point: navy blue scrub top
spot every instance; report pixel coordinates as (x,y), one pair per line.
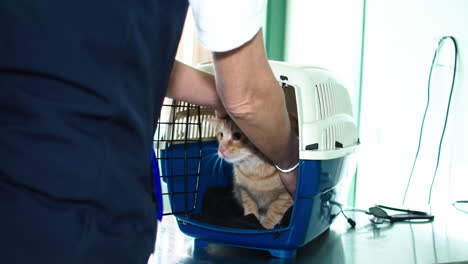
(81,87)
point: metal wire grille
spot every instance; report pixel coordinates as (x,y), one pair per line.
(181,133)
(178,143)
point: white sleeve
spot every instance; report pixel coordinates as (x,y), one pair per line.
(224,25)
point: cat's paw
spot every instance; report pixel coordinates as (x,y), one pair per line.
(268,223)
(252,212)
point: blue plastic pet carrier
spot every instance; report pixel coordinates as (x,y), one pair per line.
(187,153)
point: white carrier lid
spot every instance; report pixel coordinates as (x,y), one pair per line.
(327,129)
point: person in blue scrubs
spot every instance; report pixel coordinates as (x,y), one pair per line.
(81,87)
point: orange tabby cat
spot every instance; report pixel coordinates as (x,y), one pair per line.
(257,184)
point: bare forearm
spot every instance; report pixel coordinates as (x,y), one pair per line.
(255,100)
(194,86)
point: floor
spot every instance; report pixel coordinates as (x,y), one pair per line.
(445,240)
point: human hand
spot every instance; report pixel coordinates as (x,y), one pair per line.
(221,113)
(289,180)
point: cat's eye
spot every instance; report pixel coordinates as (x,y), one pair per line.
(220,134)
(236,136)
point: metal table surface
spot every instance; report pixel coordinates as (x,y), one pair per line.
(445,240)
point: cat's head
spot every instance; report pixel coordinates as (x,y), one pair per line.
(233,145)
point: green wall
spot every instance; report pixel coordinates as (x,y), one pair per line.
(275,29)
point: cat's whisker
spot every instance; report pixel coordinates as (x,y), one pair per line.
(220,164)
(217,165)
(209,157)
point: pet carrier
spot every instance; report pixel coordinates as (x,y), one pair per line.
(187,153)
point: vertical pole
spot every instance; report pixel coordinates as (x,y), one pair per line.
(275,29)
(353,187)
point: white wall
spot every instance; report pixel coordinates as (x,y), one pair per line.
(400,40)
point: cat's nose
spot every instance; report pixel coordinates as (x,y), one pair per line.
(222,150)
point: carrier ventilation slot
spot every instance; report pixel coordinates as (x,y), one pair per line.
(326,95)
(330,138)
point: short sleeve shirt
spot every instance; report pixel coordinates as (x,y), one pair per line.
(223,25)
